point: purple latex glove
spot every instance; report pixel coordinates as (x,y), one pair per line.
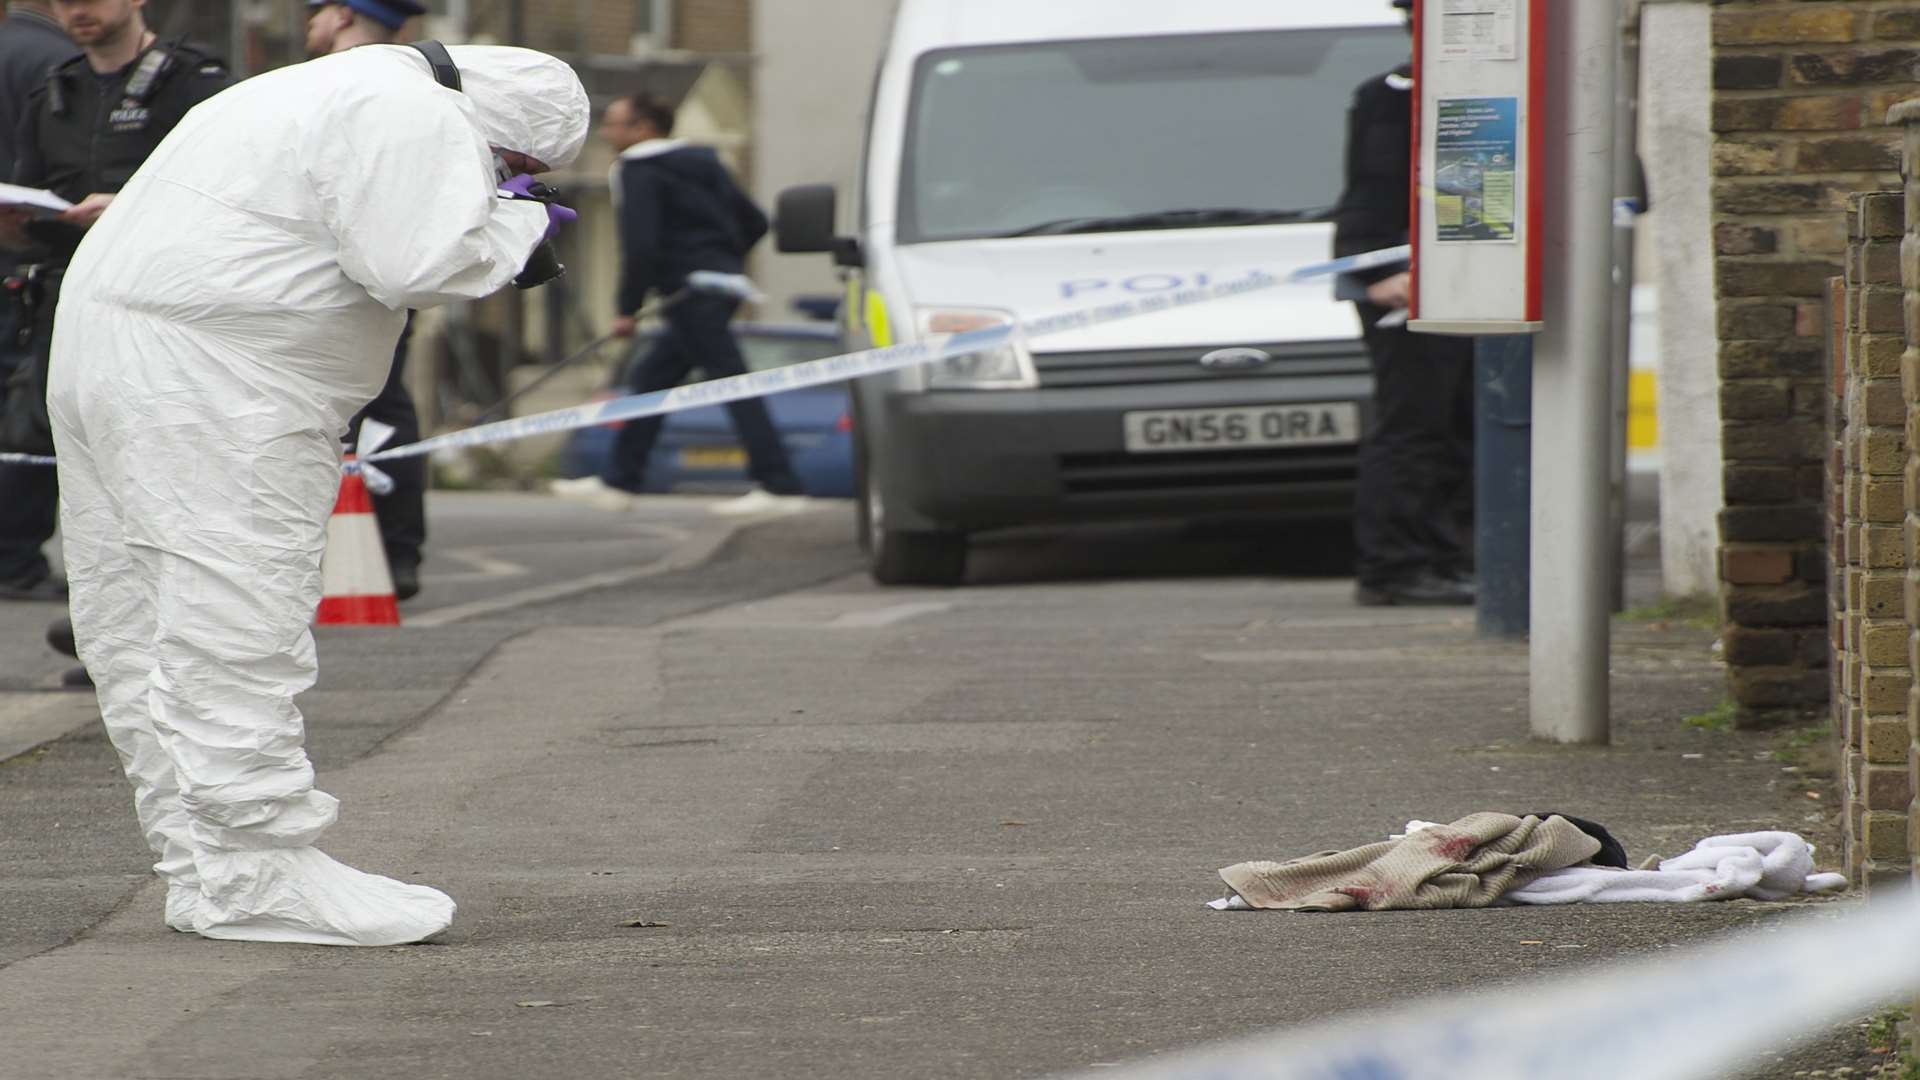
(557,216)
(521,187)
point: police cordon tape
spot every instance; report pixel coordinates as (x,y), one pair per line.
(1693,1014)
(855,365)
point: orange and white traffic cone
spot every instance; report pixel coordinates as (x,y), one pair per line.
(358,587)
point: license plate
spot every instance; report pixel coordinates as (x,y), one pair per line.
(713,457)
(1176,430)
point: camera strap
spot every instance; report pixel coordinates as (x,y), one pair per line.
(445,72)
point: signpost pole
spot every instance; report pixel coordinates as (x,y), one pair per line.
(1572,387)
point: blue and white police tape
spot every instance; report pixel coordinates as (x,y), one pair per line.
(835,369)
(1690,1015)
(832,369)
(1350,264)
(373,435)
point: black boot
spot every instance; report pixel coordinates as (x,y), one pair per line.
(406,580)
(47,588)
(1424,589)
(60,636)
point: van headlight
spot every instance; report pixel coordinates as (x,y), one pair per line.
(1006,367)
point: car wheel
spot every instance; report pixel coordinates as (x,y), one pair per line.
(895,557)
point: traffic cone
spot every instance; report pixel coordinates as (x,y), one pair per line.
(357,586)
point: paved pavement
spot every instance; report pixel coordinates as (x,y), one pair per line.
(759,816)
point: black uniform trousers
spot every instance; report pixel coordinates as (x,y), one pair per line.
(1414,507)
(697,335)
(29,494)
(402,512)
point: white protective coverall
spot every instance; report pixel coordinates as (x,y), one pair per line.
(234,306)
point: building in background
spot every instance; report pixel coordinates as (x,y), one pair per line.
(809,119)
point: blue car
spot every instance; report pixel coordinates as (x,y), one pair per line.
(698,450)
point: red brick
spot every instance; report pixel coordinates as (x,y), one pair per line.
(1756,565)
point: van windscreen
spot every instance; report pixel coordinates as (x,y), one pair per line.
(1158,132)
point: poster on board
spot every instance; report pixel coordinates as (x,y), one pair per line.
(1476,149)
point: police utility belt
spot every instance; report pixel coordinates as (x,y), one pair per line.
(27,288)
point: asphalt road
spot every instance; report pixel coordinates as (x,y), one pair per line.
(759,816)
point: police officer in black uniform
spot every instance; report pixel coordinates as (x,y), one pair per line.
(85,131)
(1413,522)
(31,45)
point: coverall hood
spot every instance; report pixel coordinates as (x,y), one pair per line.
(526,101)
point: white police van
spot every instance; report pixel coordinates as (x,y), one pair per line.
(1025,158)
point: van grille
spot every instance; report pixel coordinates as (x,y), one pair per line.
(1095,474)
(1137,367)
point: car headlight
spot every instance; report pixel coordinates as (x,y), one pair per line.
(1006,367)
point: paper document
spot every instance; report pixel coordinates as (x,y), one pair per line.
(45,201)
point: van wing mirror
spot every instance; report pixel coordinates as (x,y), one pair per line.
(803,219)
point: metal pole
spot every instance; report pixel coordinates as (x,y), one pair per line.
(1572,382)
(1626,184)
(237,60)
(1502,464)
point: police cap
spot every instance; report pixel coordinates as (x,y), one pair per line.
(392,14)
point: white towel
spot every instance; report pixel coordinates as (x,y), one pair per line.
(1761,865)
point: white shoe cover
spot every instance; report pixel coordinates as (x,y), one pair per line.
(301,895)
(181,900)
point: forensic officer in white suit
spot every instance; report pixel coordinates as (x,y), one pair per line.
(233,307)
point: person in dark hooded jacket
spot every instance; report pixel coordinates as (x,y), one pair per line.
(681,211)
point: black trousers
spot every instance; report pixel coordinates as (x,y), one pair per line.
(402,513)
(29,494)
(1414,507)
(697,335)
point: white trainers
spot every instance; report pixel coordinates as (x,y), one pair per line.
(762,501)
(593,491)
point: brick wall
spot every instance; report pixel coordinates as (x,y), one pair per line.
(563,26)
(1801,88)
(1871,629)
(1909,256)
(607,26)
(714,26)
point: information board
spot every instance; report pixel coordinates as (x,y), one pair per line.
(1476,208)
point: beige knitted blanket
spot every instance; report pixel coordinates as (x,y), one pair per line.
(1469,863)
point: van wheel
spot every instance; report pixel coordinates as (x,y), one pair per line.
(907,558)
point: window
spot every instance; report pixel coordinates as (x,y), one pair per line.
(652,26)
(1006,138)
